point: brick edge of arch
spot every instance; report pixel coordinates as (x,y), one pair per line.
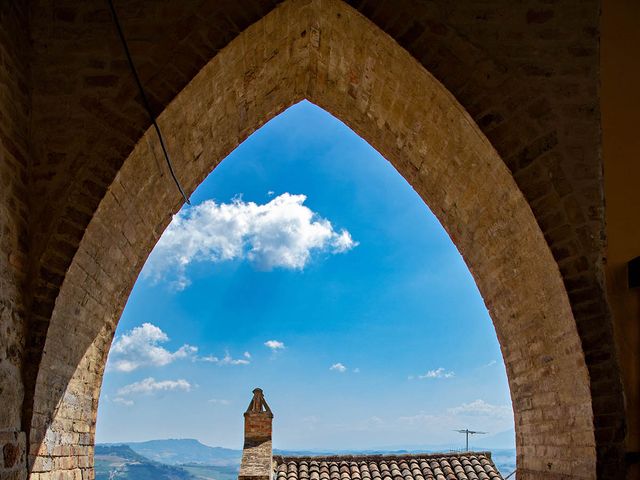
(326,52)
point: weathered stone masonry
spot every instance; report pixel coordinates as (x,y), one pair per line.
(328,53)
(257,450)
(526,72)
(14,170)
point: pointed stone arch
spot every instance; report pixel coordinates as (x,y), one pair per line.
(326,52)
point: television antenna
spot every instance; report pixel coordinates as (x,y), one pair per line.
(468,432)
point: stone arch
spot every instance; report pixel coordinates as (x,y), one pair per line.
(326,52)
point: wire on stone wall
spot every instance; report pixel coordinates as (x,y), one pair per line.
(145,100)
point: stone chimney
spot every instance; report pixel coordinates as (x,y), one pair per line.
(256,453)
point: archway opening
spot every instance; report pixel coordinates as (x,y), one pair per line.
(308,266)
(327,53)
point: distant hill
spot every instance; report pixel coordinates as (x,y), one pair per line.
(116,453)
(187,450)
(121,462)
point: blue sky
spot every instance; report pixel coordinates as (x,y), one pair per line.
(309,267)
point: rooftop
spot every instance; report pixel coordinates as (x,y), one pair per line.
(436,466)
(259,463)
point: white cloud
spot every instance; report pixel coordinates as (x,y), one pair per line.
(437,373)
(343,242)
(123,401)
(374,421)
(219,401)
(150,385)
(228,359)
(477,414)
(418,419)
(338,367)
(274,345)
(491,363)
(480,408)
(141,347)
(282,233)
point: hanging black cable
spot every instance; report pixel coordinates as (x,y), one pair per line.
(145,101)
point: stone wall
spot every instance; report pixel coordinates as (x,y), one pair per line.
(257,426)
(328,53)
(526,72)
(14,162)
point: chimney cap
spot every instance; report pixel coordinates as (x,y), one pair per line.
(258,403)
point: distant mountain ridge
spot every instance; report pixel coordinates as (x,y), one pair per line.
(190,453)
(187,450)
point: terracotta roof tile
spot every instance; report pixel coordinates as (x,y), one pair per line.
(440,466)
